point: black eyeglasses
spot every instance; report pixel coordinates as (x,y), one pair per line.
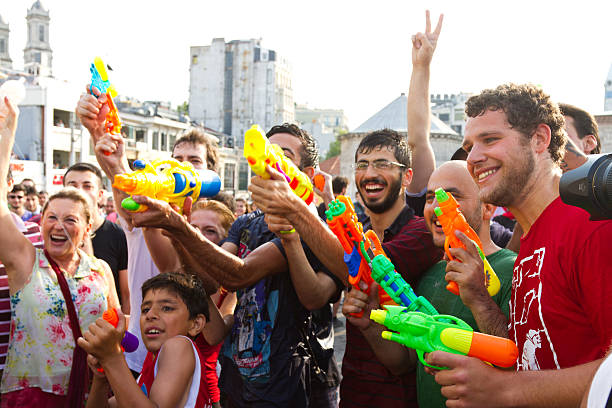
(13,196)
(381,164)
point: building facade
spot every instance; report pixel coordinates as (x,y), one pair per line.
(450,109)
(323,124)
(237,84)
(49,137)
(608,92)
(5,58)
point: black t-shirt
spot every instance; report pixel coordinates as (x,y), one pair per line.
(110,245)
(262,359)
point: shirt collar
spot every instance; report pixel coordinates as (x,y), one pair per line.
(402,219)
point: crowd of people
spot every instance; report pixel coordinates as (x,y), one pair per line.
(231,298)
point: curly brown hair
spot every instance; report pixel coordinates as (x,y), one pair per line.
(526,106)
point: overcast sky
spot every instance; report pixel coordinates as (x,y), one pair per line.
(351,55)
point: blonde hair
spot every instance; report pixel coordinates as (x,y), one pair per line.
(227,217)
(75,195)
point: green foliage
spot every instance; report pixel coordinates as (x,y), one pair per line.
(183,108)
(334,147)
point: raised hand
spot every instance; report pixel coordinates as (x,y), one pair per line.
(273,195)
(8,124)
(91,111)
(467,270)
(424,44)
(357,301)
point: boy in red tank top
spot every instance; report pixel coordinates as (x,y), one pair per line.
(174,310)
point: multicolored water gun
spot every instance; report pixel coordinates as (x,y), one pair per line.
(168,180)
(427,333)
(129,343)
(452,219)
(259,152)
(99,79)
(367,261)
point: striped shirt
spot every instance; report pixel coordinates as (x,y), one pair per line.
(31,232)
(365,380)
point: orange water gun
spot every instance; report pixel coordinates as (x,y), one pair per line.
(259,152)
(452,219)
(367,261)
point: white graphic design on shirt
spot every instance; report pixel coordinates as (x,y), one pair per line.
(526,318)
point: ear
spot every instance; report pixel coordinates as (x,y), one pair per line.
(309,171)
(196,325)
(100,195)
(541,138)
(407,179)
(487,211)
(589,143)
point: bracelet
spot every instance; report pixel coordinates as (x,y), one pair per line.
(291,231)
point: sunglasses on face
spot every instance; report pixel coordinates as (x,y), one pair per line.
(13,196)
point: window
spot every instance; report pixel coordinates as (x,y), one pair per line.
(41,33)
(2,45)
(127,132)
(228,176)
(141,135)
(164,142)
(172,141)
(243,176)
(37,57)
(155,142)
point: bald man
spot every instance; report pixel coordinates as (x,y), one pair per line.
(481,311)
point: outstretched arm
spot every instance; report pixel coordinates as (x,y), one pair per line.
(471,383)
(419,111)
(16,251)
(228,270)
(275,197)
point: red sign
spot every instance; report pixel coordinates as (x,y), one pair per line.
(58,179)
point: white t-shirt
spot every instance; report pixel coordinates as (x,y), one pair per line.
(140,268)
(599,394)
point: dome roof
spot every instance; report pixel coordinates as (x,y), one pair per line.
(393,116)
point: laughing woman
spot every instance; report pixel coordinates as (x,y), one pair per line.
(55,293)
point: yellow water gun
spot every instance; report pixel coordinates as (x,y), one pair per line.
(168,180)
(259,152)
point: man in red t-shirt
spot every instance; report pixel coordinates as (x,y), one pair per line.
(560,309)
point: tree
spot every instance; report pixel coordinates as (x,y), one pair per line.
(334,147)
(183,109)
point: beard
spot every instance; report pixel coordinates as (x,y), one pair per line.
(512,183)
(388,201)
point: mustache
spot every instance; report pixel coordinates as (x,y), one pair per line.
(376,180)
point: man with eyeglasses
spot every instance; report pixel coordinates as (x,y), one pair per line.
(16,199)
(383,176)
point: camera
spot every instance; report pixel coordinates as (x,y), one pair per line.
(590,186)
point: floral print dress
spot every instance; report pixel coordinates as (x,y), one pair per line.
(41,343)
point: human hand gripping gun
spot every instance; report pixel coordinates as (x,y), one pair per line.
(451,218)
(427,333)
(130,342)
(99,79)
(168,180)
(367,261)
(259,152)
